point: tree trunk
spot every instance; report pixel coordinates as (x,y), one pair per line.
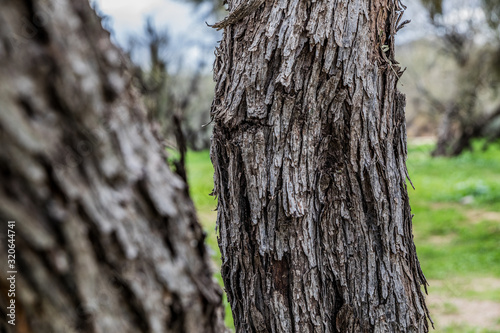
(106,237)
(447,130)
(309,151)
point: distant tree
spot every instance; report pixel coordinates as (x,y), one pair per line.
(175,101)
(152,76)
(106,236)
(474,45)
(309,151)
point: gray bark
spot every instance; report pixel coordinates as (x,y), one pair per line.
(309,150)
(106,235)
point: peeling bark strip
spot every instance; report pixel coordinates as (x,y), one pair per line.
(107,239)
(309,151)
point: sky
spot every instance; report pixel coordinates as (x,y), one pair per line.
(191,39)
(128,15)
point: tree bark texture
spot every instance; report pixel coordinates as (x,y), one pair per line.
(309,150)
(106,235)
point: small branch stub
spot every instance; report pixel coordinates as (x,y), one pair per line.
(242,11)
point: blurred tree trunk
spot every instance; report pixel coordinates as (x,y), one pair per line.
(465,116)
(106,235)
(309,151)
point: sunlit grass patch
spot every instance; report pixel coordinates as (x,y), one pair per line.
(448,241)
(472,178)
(200,177)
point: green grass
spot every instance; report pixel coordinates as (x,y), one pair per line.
(474,174)
(466,329)
(200,177)
(200,174)
(448,242)
(453,247)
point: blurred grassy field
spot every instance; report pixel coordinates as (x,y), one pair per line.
(456,226)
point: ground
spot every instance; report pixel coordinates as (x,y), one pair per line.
(456,203)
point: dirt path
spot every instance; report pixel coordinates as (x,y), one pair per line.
(450,309)
(473,215)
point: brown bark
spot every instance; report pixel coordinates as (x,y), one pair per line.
(309,150)
(106,236)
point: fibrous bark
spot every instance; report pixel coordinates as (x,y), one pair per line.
(106,236)
(309,150)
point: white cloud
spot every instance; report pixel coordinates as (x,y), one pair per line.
(128,15)
(128,7)
(190,37)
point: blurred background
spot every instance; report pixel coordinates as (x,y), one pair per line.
(451,52)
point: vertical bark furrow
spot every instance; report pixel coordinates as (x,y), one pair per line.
(324,170)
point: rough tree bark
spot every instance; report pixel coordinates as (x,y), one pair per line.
(106,236)
(309,151)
